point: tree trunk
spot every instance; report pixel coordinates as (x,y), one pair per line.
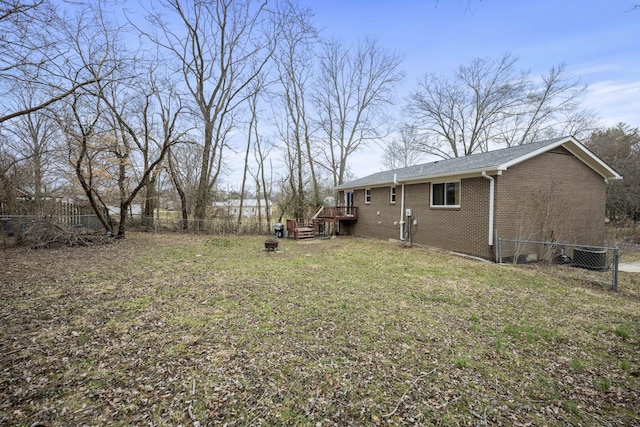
(87,187)
(180,190)
(203,196)
(150,200)
(244,176)
(123,204)
(11,205)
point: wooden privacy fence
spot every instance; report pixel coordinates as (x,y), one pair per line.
(55,208)
(87,223)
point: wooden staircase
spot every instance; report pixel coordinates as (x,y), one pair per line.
(298,232)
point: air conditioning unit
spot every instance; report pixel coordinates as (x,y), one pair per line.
(590,258)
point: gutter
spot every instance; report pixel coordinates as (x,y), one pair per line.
(471,173)
(492,182)
(401,222)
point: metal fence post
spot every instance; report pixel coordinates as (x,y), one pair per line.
(616,258)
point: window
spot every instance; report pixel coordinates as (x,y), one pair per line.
(445,194)
(392,197)
(367,196)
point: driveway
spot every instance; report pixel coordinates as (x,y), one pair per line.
(629,267)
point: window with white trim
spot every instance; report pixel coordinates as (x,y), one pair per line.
(392,195)
(367,196)
(445,194)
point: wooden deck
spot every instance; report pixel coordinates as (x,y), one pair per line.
(324,220)
(337,213)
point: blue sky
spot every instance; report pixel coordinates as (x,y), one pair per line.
(597,40)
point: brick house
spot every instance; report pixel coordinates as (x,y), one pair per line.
(552,190)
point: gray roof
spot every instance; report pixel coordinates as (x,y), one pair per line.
(491,161)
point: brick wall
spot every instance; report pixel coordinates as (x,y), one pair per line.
(462,229)
(377,219)
(552,196)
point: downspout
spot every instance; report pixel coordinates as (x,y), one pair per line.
(491,204)
(401,222)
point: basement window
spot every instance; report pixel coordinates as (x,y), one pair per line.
(367,196)
(392,196)
(445,194)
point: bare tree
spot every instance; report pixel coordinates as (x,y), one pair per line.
(141,119)
(457,116)
(95,51)
(253,137)
(33,140)
(160,116)
(261,150)
(182,167)
(35,47)
(260,147)
(619,146)
(118,130)
(114,144)
(294,174)
(8,164)
(295,177)
(294,64)
(489,103)
(403,151)
(354,88)
(12,175)
(80,123)
(547,108)
(220,48)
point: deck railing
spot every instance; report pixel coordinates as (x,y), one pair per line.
(338,212)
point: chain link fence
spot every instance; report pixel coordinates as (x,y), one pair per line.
(90,223)
(598,264)
(216,226)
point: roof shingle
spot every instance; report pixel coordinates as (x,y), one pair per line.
(489,161)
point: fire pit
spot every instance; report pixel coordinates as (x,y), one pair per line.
(271,245)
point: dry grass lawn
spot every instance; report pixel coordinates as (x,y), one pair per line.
(166,330)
